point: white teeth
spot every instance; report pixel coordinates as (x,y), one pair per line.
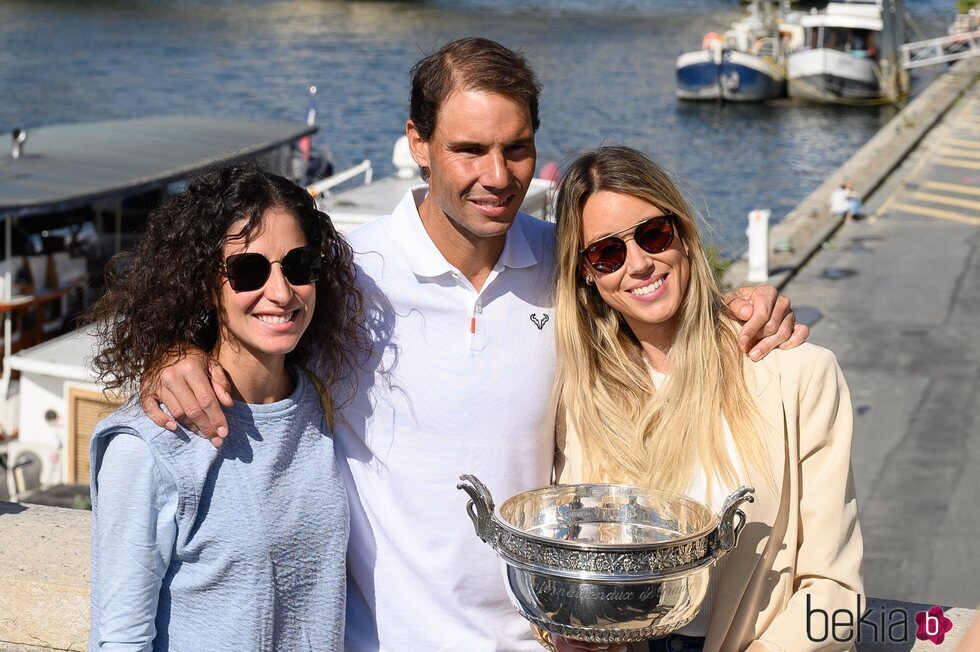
(275,319)
(491,204)
(647,289)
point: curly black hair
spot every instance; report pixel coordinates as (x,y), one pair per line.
(163,297)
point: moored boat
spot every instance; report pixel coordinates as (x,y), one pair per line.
(746,64)
(839,61)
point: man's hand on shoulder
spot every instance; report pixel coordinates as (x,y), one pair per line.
(768,320)
(192,387)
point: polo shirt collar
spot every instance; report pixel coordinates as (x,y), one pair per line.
(517,251)
(424,257)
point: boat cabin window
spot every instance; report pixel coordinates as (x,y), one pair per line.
(22,243)
(859,42)
(48,233)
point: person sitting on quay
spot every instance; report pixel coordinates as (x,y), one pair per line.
(845,202)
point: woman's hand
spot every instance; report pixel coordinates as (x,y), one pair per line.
(768,320)
(571,645)
(192,387)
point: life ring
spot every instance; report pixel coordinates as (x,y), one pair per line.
(712,40)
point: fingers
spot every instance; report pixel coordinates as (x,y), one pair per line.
(738,302)
(769,321)
(782,334)
(175,400)
(761,301)
(220,384)
(801,332)
(185,390)
(151,406)
(201,405)
(192,387)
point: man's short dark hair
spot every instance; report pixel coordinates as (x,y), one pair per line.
(470,63)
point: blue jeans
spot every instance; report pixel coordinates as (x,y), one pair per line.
(677,643)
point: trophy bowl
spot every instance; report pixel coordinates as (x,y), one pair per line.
(605,563)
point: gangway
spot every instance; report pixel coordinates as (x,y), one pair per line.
(940,50)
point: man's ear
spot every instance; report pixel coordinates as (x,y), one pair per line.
(418,145)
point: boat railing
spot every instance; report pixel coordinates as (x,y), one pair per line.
(322,187)
(34,301)
(767,47)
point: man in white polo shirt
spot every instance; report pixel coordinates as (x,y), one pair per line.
(458,283)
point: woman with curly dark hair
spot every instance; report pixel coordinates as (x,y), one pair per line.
(242,546)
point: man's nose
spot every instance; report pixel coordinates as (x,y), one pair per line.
(496,173)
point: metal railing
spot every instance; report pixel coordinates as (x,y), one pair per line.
(323,186)
(940,50)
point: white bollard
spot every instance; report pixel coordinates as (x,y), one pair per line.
(758,233)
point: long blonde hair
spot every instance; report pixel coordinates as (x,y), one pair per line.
(630,431)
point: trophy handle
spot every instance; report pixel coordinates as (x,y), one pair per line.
(480,507)
(726,534)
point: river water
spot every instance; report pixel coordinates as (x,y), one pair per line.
(607,68)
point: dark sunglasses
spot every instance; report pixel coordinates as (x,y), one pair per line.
(250,271)
(608,254)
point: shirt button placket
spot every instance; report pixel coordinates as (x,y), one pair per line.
(478,335)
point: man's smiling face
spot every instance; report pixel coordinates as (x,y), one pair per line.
(481,161)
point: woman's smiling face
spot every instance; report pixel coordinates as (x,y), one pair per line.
(271,320)
(648,289)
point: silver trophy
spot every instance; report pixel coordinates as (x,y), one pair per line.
(605,563)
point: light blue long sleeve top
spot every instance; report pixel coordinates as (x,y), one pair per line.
(238,548)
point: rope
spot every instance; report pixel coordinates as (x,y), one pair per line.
(892,97)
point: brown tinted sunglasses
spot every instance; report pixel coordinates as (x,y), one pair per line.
(608,254)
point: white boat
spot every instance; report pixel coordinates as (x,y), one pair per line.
(839,60)
(746,64)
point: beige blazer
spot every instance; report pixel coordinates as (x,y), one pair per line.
(802,544)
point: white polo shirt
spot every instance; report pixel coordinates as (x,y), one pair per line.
(460,383)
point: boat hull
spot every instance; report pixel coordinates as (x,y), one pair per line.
(728,75)
(749,78)
(698,76)
(825,75)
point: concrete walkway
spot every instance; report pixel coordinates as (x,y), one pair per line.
(897,298)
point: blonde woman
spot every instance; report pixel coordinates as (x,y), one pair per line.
(655,391)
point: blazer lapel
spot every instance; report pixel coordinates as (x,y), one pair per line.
(762,379)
